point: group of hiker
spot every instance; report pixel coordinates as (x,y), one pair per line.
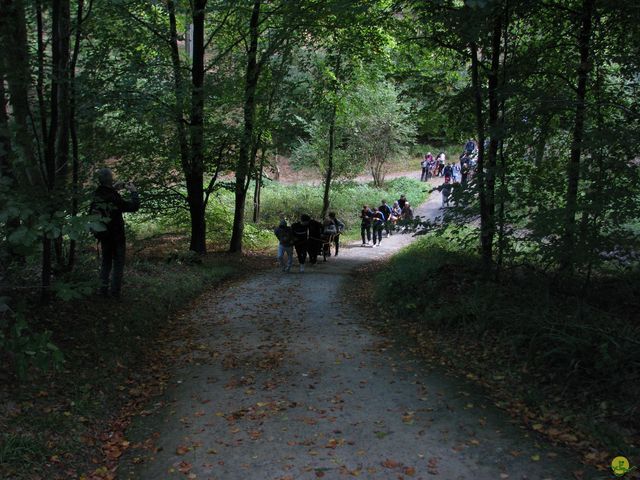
(375,220)
(437,167)
(456,176)
(310,238)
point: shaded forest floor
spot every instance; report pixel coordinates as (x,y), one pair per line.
(62,423)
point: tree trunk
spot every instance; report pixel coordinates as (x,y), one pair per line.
(485,245)
(5,134)
(329,171)
(242,167)
(195,179)
(258,189)
(573,168)
(75,179)
(488,224)
(502,239)
(40,80)
(13,32)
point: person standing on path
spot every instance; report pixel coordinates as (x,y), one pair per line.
(286,241)
(378,221)
(428,159)
(386,211)
(300,231)
(365,224)
(314,247)
(110,205)
(339,229)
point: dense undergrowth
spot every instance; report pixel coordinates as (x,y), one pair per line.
(529,338)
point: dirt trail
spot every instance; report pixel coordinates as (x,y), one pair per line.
(289,384)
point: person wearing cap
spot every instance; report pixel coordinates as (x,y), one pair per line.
(109,205)
(286,240)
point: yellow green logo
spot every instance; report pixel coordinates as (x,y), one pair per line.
(620,466)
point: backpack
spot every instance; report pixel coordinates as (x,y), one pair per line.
(99,228)
(286,236)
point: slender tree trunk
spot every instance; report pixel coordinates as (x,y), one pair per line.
(488,218)
(502,239)
(242,167)
(329,171)
(485,245)
(64,110)
(573,168)
(195,178)
(258,188)
(40,81)
(75,179)
(5,134)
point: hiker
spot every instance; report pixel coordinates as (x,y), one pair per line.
(315,240)
(396,214)
(401,201)
(378,220)
(300,231)
(386,211)
(109,205)
(432,168)
(456,172)
(365,224)
(428,159)
(465,170)
(470,146)
(286,240)
(440,160)
(448,170)
(339,229)
(329,232)
(407,212)
(446,188)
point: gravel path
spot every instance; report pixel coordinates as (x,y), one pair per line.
(291,385)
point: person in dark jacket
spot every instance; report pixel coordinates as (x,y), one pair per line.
(109,205)
(386,211)
(339,229)
(300,231)
(315,240)
(365,226)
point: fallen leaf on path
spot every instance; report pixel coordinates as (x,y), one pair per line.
(182,450)
(388,463)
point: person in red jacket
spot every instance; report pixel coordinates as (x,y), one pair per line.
(109,205)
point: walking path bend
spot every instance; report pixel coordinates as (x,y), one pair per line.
(298,388)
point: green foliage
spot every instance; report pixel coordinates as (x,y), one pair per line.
(585,341)
(24,347)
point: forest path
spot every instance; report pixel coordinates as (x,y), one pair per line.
(290,384)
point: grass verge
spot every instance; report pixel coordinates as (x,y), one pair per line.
(565,366)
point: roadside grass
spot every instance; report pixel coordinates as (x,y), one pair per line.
(567,366)
(49,423)
(290,201)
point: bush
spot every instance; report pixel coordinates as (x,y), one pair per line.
(24,347)
(582,346)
